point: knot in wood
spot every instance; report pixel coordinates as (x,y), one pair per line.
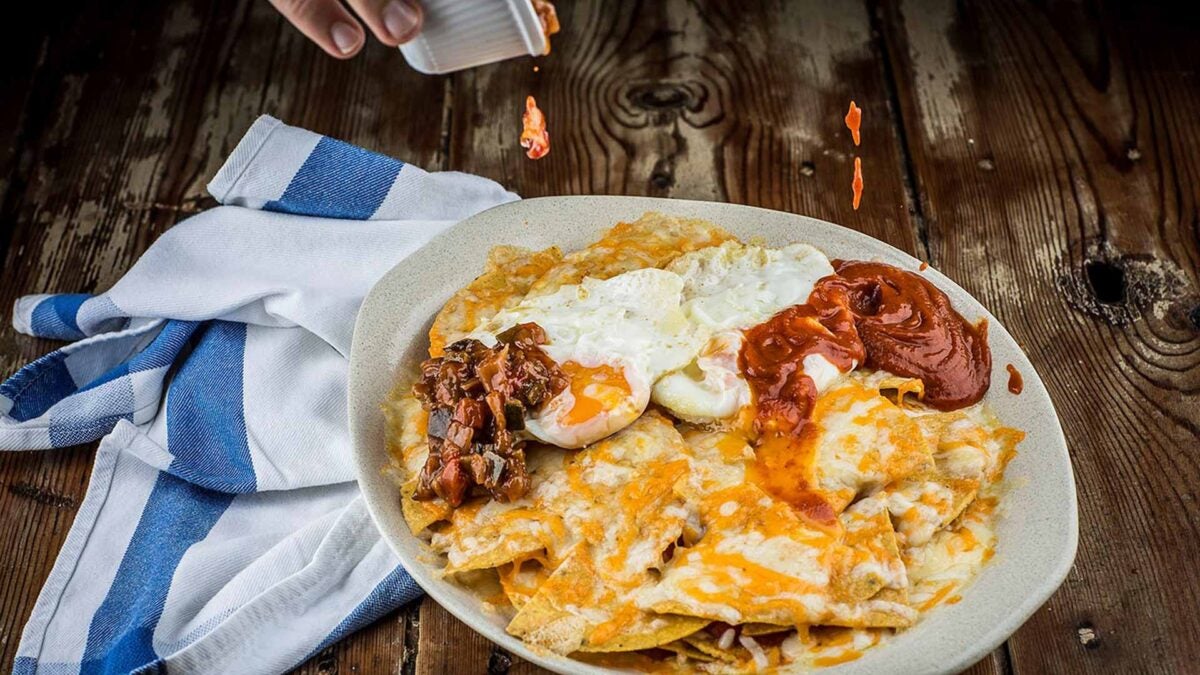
(661,96)
(499,662)
(1088,637)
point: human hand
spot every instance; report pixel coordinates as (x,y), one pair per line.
(331,25)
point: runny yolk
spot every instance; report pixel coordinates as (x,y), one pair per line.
(595,389)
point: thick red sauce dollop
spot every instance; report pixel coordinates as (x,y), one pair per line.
(873,314)
(868,313)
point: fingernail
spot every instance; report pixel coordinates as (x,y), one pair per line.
(400,19)
(345,37)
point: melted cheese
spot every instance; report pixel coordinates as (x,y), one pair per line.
(856,442)
(642,539)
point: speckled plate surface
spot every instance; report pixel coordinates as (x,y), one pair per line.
(1037,532)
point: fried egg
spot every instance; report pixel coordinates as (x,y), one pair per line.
(613,339)
(727,289)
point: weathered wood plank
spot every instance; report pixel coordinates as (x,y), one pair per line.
(129,112)
(995,663)
(447,645)
(378,648)
(1057,157)
(697,100)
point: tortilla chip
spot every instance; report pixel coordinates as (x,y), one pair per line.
(576,609)
(948,561)
(754,629)
(507,276)
(868,560)
(683,648)
(420,514)
(653,240)
(707,644)
(620,496)
(408,448)
(924,504)
(719,459)
(899,387)
(859,441)
(486,533)
(645,632)
(968,443)
(522,578)
(830,645)
(760,562)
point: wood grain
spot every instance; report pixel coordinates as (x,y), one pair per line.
(1046,155)
(697,101)
(1056,158)
(126,110)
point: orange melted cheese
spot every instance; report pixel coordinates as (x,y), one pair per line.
(783,466)
(855,439)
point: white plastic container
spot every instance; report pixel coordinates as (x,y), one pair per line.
(461,34)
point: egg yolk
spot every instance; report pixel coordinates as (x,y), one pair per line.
(595,389)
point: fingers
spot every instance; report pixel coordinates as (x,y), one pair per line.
(325,22)
(394,22)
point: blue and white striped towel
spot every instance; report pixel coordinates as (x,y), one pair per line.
(222,530)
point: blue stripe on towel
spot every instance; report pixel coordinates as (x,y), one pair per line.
(338,180)
(162,351)
(38,386)
(176,516)
(56,317)
(206,423)
(396,589)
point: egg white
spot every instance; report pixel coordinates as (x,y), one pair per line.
(631,325)
(727,289)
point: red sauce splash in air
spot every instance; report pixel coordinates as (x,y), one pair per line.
(534,137)
(854,121)
(874,314)
(857,185)
(1015,383)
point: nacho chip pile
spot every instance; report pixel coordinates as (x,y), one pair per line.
(667,547)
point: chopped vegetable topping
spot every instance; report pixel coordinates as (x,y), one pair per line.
(477,398)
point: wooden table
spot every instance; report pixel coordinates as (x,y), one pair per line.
(1046,157)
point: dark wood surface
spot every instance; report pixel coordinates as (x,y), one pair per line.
(1045,155)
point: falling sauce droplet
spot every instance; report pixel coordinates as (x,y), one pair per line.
(857,185)
(534,137)
(854,121)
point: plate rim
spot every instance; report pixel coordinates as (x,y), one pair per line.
(369,473)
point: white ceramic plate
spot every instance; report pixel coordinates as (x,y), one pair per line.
(1036,535)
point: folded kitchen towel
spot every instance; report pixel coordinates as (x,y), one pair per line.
(222,530)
